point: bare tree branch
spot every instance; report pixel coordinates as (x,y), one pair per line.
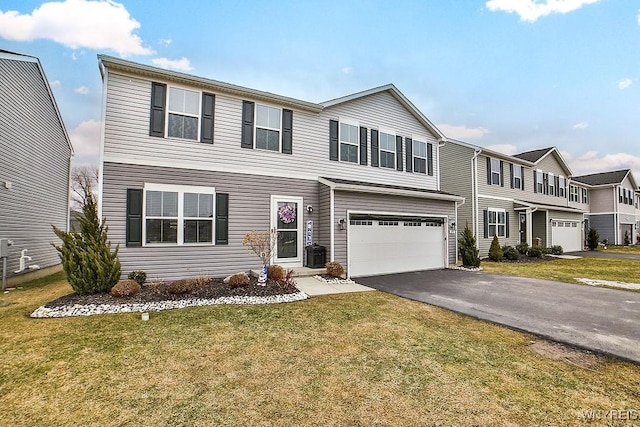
(84,182)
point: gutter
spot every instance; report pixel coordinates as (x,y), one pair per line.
(474,191)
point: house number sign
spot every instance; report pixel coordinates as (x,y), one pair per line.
(308,235)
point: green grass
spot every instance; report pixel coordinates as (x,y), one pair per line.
(622,249)
(567,270)
(354,359)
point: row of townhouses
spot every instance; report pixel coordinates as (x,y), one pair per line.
(189,165)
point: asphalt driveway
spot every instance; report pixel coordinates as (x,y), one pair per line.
(599,319)
(601,254)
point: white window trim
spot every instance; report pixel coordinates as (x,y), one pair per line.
(574,197)
(497,223)
(562,185)
(380,150)
(255,127)
(584,192)
(540,181)
(426,154)
(180,189)
(350,122)
(198,117)
(521,169)
(497,172)
(551,184)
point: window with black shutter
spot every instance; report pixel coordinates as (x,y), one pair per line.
(134,217)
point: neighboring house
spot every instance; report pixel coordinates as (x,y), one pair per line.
(35,155)
(521,198)
(613,204)
(189,165)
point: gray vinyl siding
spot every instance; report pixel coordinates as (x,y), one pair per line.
(456,178)
(34,158)
(351,201)
(485,243)
(127,137)
(249,209)
(601,200)
(324,218)
(540,229)
(605,224)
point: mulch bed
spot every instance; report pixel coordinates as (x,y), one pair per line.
(157,292)
(527,259)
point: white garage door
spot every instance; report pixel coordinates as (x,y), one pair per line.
(567,234)
(383,245)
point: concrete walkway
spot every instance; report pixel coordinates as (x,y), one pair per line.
(598,319)
(314,287)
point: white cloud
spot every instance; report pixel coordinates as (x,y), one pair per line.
(82,90)
(509,149)
(462,132)
(165,42)
(638,16)
(182,64)
(624,83)
(346,70)
(531,10)
(581,125)
(55,83)
(85,139)
(591,162)
(99,25)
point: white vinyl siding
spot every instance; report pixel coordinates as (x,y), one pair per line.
(268,127)
(387,150)
(348,142)
(183,112)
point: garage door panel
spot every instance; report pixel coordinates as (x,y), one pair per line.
(567,234)
(382,249)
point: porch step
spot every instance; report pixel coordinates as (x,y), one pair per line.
(298,272)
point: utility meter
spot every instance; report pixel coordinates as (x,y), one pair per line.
(4,247)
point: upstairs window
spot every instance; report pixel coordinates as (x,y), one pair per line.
(585,196)
(562,186)
(539,181)
(495,172)
(551,184)
(419,157)
(517,176)
(349,142)
(573,194)
(183,112)
(387,150)
(268,124)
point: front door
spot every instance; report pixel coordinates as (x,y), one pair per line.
(287,220)
(523,228)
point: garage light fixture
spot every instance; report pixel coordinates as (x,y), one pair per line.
(343,223)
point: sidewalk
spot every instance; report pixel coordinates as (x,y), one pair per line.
(314,287)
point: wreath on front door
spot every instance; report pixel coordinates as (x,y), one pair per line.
(287,214)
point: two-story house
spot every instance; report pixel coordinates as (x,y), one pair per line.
(613,205)
(520,199)
(35,156)
(190,164)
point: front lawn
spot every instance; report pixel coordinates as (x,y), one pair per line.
(622,249)
(567,270)
(350,359)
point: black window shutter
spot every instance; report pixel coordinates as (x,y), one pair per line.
(222,218)
(535,181)
(512,179)
(363,146)
(333,140)
(489,170)
(430,159)
(247,124)
(399,156)
(134,217)
(501,173)
(374,148)
(522,178)
(557,184)
(208,107)
(545,183)
(506,224)
(287,131)
(158,100)
(409,149)
(620,194)
(485,215)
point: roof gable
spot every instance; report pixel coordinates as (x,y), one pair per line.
(534,156)
(606,178)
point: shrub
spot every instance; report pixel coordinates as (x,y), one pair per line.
(261,243)
(287,282)
(139,276)
(275,272)
(237,280)
(523,248)
(535,252)
(86,256)
(467,248)
(510,253)
(202,280)
(125,288)
(495,251)
(334,269)
(592,239)
(182,286)
(556,250)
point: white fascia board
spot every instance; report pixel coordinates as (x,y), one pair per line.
(389,191)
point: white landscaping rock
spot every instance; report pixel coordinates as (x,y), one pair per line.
(336,281)
(610,283)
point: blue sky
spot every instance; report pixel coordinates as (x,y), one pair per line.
(512,75)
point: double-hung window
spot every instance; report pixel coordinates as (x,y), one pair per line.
(497,222)
(517,176)
(419,156)
(268,127)
(539,181)
(573,194)
(348,142)
(585,196)
(178,215)
(387,150)
(183,113)
(551,184)
(495,172)
(562,186)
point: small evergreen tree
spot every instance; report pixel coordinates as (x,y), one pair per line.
(495,250)
(86,255)
(592,239)
(627,238)
(467,248)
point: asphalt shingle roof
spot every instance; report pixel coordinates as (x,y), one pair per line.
(534,155)
(602,178)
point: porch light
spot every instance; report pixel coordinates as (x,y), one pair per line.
(343,223)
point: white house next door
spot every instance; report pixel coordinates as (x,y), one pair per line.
(287,219)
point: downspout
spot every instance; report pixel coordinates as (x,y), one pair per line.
(458,225)
(474,192)
(332,215)
(615,216)
(441,143)
(105,81)
(69,196)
